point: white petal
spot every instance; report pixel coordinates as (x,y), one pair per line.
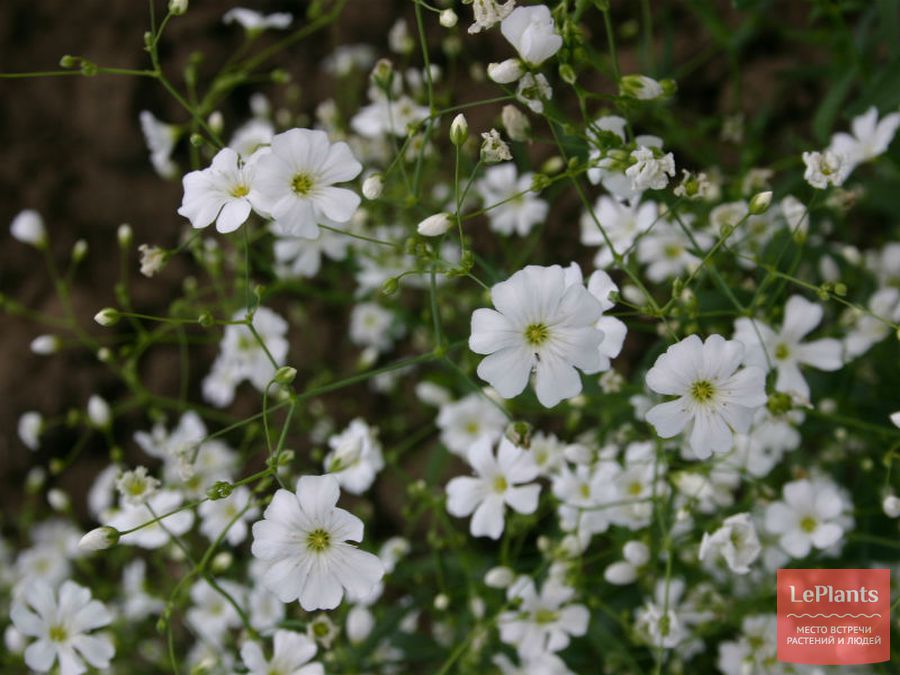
(339,204)
(800,317)
(507,370)
(556,380)
(523,499)
(669,419)
(825,354)
(487,521)
(233,215)
(826,535)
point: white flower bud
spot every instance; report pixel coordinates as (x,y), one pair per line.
(760,202)
(636,552)
(895,418)
(30,425)
(498,577)
(360,623)
(222,561)
(79,250)
(441,602)
(505,72)
(14,640)
(459,130)
(448,18)
(99,539)
(45,344)
(435,226)
(107,317)
(516,123)
(215,121)
(373,186)
(891,506)
(577,453)
(98,412)
(125,235)
(640,87)
(178,7)
(620,573)
(58,500)
(35,479)
(28,227)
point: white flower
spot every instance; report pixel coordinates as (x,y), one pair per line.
(601,286)
(355,458)
(302,541)
(824,169)
(517,209)
(28,227)
(532,32)
(153,258)
(136,602)
(489,12)
(136,487)
(223,192)
(666,250)
(543,622)
(542,325)
(649,171)
(212,614)
(254,22)
(161,139)
(869,329)
(533,90)
(499,482)
(715,397)
(291,656)
(63,626)
(755,651)
(294,182)
(784,350)
(241,356)
(736,541)
(622,222)
(505,72)
(493,148)
(371,325)
(516,123)
(870,137)
(809,515)
(302,257)
(251,136)
(234,510)
(468,421)
(29,429)
(387,116)
(159,532)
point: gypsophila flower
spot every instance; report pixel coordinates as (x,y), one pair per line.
(532,32)
(517,210)
(736,542)
(29,429)
(294,183)
(870,138)
(63,624)
(153,258)
(649,171)
(302,542)
(355,458)
(540,325)
(230,513)
(254,22)
(222,193)
(533,90)
(292,653)
(489,12)
(501,481)
(468,421)
(28,227)
(809,515)
(136,487)
(824,169)
(161,139)
(493,148)
(716,398)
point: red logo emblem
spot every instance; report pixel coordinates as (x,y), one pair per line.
(834,617)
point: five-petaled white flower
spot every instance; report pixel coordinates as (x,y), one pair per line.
(295,181)
(514,209)
(870,138)
(715,397)
(223,192)
(62,625)
(540,324)
(302,543)
(499,483)
(783,350)
(291,656)
(809,516)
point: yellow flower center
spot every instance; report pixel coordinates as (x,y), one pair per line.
(318,540)
(302,184)
(635,488)
(240,191)
(808,524)
(782,351)
(58,633)
(545,616)
(702,391)
(536,334)
(500,484)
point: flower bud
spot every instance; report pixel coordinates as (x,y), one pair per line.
(373,186)
(58,500)
(435,226)
(516,123)
(636,552)
(459,130)
(760,202)
(45,344)
(99,539)
(441,602)
(28,227)
(498,577)
(178,7)
(640,87)
(99,412)
(620,573)
(125,235)
(220,490)
(448,18)
(285,375)
(107,316)
(382,73)
(79,250)
(505,72)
